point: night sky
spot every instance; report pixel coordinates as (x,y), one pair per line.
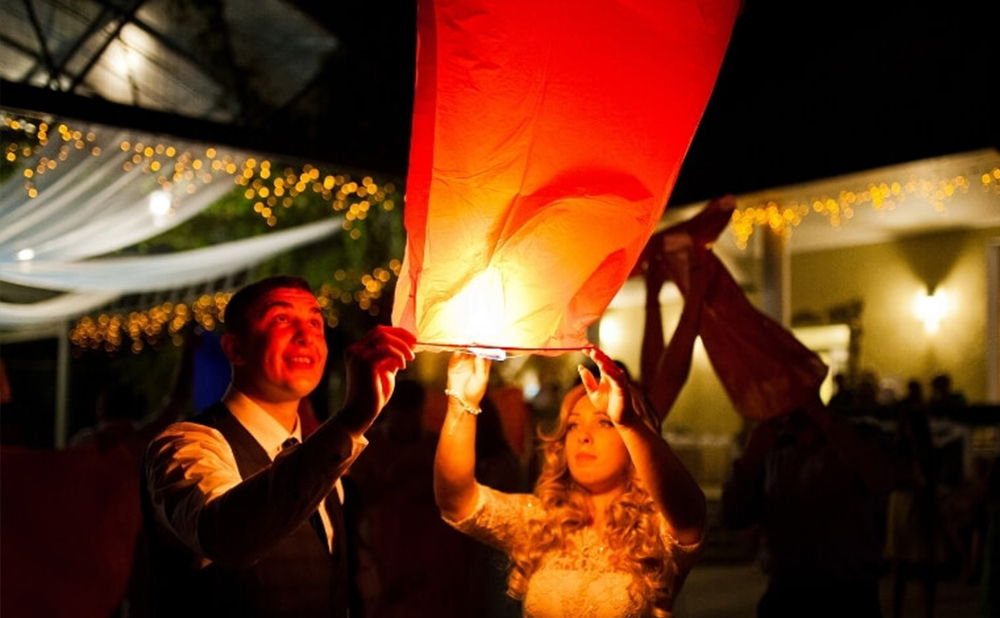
(808,90)
(811,90)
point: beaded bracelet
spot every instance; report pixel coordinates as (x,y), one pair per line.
(469,409)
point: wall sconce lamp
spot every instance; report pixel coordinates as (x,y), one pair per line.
(931,308)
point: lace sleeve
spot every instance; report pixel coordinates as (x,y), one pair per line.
(684,556)
(498,517)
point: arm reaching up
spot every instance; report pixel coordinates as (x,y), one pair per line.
(673,489)
(455,461)
(665,370)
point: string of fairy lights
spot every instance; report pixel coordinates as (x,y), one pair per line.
(782,218)
(264,186)
(273,190)
(270,189)
(73,140)
(137,329)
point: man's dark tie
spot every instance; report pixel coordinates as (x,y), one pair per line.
(315,519)
(333,509)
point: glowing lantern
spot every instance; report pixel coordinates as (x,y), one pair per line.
(546,139)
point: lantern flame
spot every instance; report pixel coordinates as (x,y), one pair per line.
(480,307)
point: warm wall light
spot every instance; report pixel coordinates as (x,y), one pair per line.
(931,309)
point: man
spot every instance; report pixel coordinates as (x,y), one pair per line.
(813,481)
(243,515)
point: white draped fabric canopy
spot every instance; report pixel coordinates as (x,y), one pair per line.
(93,283)
(96,200)
(89,205)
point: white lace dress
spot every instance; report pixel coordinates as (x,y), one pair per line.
(578,582)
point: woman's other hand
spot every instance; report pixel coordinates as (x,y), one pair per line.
(611,393)
(468,376)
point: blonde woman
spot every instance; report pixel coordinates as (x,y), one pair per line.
(615,520)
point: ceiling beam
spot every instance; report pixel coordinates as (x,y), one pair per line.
(43,44)
(95,24)
(96,56)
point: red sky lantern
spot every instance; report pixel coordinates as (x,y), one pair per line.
(546,139)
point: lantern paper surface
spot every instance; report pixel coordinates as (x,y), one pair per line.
(546,139)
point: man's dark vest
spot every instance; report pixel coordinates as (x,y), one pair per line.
(297,577)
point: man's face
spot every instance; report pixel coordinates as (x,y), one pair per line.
(282,356)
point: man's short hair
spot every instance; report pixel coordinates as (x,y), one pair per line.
(237,313)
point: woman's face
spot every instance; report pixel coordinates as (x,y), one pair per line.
(595,453)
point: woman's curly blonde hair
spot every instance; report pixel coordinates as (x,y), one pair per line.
(632,532)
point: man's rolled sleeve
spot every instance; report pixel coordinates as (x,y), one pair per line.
(200,498)
(188,466)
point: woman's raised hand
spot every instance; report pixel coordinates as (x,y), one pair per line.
(468,376)
(610,393)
